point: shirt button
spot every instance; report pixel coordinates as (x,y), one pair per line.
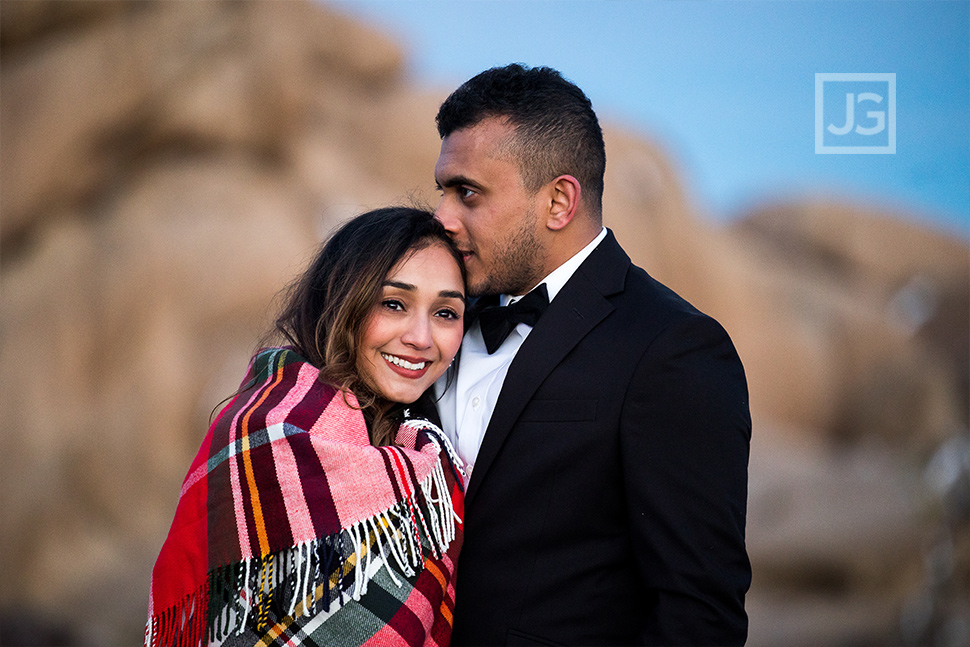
(476,401)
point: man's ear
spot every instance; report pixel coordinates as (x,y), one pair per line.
(565,193)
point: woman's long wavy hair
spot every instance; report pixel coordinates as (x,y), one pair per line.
(326,309)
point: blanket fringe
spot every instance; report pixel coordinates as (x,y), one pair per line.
(294,581)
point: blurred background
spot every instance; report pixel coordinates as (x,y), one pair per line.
(167,167)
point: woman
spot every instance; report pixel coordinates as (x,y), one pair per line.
(318,510)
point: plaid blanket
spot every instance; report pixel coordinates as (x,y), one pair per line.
(292,529)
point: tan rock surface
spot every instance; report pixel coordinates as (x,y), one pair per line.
(166,168)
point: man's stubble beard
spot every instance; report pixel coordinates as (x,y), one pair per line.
(517,265)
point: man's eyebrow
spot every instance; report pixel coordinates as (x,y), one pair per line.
(456,180)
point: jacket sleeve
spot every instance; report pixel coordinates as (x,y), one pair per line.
(685,433)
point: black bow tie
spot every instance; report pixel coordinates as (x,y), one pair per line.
(497,322)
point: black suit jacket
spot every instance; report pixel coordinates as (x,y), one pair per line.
(608,499)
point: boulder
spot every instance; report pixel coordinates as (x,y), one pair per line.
(167,168)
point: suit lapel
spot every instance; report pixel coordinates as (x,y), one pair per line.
(576,310)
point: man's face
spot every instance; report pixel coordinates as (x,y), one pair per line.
(488,212)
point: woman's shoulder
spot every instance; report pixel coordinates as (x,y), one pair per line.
(281,379)
(279,363)
(278,356)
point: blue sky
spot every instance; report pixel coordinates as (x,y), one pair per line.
(728,88)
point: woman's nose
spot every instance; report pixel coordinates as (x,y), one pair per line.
(417,332)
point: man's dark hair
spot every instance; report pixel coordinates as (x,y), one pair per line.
(556,130)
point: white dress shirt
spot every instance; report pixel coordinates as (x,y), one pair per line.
(466,405)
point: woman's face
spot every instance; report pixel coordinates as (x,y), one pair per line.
(413,332)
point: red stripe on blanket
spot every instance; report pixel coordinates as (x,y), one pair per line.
(409,494)
(317,399)
(185,546)
(316,488)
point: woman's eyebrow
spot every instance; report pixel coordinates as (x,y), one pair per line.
(401,285)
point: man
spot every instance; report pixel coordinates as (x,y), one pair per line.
(608,436)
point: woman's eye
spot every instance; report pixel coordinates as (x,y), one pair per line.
(448,313)
(392,304)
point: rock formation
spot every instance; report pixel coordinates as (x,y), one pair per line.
(166,168)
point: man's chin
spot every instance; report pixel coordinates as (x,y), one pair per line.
(481,288)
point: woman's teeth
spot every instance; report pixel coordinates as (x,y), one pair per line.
(397,361)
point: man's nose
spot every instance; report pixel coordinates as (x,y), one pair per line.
(446,214)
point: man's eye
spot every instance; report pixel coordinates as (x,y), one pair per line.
(464,192)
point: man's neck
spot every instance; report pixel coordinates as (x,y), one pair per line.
(557,277)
